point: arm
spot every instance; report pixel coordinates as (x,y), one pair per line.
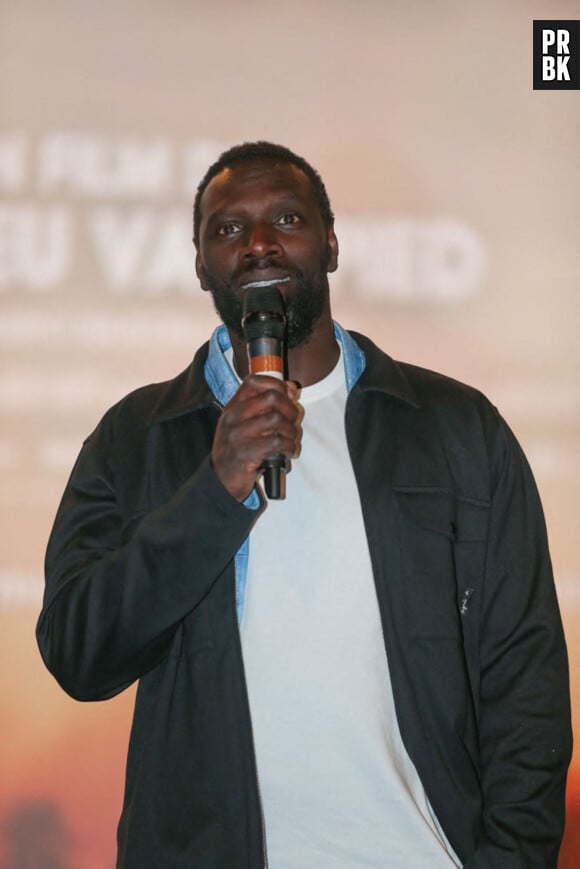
(118,587)
(116,591)
(525,734)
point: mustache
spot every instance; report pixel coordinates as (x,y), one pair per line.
(252,271)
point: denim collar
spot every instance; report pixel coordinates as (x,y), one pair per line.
(222,380)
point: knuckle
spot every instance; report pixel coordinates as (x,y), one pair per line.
(271,396)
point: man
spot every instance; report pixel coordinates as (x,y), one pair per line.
(370,672)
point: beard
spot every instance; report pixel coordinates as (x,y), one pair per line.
(303,308)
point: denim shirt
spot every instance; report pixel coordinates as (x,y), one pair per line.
(224,383)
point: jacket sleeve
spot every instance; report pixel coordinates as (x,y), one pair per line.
(117,588)
(524,726)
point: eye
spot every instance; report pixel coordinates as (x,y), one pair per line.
(289,218)
(227,229)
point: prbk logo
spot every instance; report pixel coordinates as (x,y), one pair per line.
(556,55)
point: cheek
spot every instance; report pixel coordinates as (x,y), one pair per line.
(307,255)
(218,264)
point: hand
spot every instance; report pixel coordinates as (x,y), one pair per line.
(261,420)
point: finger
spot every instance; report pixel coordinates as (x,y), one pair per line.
(266,427)
(278,445)
(259,417)
(255,384)
(268,403)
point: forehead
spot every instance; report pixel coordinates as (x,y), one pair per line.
(256,180)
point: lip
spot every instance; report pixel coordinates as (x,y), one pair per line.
(266,282)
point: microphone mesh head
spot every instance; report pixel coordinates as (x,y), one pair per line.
(265,300)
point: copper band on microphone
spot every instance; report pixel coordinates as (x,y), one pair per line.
(266,365)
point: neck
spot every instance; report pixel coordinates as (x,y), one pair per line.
(309,362)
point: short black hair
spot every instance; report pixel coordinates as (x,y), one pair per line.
(262,150)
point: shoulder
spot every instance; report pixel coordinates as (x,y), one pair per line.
(447,417)
(427,390)
(159,401)
(446,396)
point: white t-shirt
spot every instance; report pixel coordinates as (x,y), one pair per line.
(337,786)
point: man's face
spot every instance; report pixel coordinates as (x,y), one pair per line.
(261,224)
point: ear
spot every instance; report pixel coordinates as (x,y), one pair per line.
(332,245)
(200,272)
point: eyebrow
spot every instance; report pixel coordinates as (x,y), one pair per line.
(230,211)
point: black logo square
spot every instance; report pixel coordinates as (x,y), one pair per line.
(557,55)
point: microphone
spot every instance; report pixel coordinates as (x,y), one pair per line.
(264,325)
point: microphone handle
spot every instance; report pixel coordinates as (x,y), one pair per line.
(273,468)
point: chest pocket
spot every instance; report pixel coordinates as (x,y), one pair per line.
(441,551)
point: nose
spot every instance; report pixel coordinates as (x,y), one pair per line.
(262,241)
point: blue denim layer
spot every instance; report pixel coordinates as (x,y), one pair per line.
(224,383)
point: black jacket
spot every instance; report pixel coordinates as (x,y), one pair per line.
(140,585)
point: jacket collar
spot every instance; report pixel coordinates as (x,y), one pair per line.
(384,374)
(186,393)
(209,379)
